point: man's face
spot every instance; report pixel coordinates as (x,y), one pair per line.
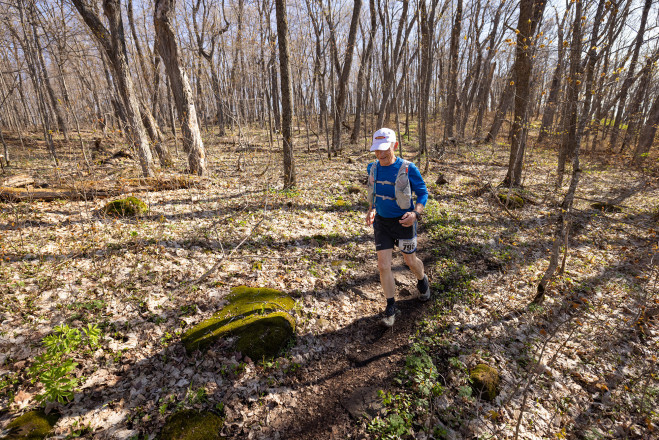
(386,157)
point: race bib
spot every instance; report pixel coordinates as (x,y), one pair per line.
(407,245)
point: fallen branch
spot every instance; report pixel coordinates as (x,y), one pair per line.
(93,190)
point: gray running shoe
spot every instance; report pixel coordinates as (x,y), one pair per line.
(424,288)
(390,315)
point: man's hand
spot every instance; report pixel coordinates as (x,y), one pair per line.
(408,219)
(370,217)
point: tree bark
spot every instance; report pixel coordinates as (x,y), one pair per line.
(286,94)
(555,87)
(344,73)
(366,56)
(452,92)
(168,49)
(113,43)
(530,14)
(648,133)
(629,79)
(572,96)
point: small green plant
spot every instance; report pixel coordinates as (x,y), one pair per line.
(397,420)
(420,373)
(200,395)
(8,384)
(54,368)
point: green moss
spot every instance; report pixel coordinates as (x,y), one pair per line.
(248,315)
(128,207)
(192,425)
(31,425)
(485,381)
(265,337)
(245,299)
(512,201)
(606,207)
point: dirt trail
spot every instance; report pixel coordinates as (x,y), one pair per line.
(342,384)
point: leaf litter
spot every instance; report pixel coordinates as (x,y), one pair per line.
(565,366)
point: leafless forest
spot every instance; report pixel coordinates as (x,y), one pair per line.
(584,73)
(239,111)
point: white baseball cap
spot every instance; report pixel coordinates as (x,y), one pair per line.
(383,139)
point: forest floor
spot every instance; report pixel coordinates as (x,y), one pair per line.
(581,365)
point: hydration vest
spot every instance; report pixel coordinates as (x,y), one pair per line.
(402,188)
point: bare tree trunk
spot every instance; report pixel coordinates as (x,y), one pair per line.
(427,24)
(648,133)
(366,56)
(634,109)
(343,71)
(452,93)
(565,210)
(502,108)
(54,102)
(113,43)
(572,97)
(286,94)
(178,80)
(554,89)
(5,148)
(274,85)
(530,14)
(629,79)
(156,136)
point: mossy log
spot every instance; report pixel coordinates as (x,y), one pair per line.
(485,381)
(34,425)
(90,190)
(606,207)
(192,425)
(511,200)
(258,317)
(128,207)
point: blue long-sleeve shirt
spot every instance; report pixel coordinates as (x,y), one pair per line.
(389,208)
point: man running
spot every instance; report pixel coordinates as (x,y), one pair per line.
(394,215)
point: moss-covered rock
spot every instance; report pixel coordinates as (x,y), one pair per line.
(31,426)
(606,207)
(192,425)
(511,200)
(128,207)
(485,381)
(258,317)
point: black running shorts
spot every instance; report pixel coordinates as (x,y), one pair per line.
(389,233)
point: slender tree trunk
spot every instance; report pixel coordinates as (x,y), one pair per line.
(565,210)
(629,79)
(449,115)
(530,14)
(344,73)
(54,101)
(180,85)
(572,97)
(502,108)
(555,87)
(286,94)
(113,43)
(156,136)
(634,109)
(648,133)
(361,74)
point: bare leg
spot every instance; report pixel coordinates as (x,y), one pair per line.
(414,263)
(386,276)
